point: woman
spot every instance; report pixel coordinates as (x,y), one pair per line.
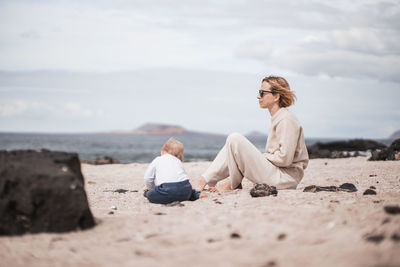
(286,154)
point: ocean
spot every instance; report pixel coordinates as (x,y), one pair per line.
(127,148)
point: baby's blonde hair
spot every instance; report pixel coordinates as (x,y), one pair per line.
(174,147)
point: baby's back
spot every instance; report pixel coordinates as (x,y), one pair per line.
(169,169)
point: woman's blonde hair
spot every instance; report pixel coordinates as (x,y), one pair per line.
(280,86)
(174,147)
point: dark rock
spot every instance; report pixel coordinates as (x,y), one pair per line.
(375,238)
(396,237)
(175,204)
(262,190)
(101,161)
(340,149)
(120,191)
(315,188)
(369,192)
(390,153)
(216,201)
(392,209)
(372,187)
(42,191)
(235,235)
(270,264)
(281,236)
(346,187)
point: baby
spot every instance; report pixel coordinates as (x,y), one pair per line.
(166,180)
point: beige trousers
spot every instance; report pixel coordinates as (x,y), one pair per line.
(239,158)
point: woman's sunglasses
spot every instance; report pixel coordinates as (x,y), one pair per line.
(261,92)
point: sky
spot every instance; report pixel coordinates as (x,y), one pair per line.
(93,66)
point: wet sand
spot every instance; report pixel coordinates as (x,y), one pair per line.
(295,228)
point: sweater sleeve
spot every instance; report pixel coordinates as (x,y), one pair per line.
(150,175)
(287,132)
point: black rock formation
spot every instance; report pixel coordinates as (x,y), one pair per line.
(390,153)
(42,191)
(346,187)
(101,161)
(340,149)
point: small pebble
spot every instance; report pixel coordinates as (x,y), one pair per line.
(385,221)
(235,235)
(395,237)
(270,264)
(369,192)
(375,238)
(113,208)
(392,209)
(281,236)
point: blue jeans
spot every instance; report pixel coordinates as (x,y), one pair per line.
(169,192)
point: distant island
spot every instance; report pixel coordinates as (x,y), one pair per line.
(166,129)
(159,129)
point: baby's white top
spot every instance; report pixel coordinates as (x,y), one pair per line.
(164,169)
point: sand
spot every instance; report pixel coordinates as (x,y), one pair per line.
(295,228)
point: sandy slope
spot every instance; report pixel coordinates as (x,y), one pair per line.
(293,229)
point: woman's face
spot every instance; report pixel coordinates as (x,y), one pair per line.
(268,100)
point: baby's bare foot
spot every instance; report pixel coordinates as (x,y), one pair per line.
(203,195)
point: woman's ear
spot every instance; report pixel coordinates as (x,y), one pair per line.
(277,97)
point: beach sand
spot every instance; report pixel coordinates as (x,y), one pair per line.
(295,228)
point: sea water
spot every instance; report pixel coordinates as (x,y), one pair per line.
(127,148)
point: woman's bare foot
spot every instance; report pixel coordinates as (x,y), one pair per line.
(224,187)
(198,183)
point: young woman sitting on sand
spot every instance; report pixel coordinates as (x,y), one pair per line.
(286,154)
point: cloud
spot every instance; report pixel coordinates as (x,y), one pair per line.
(31,34)
(341,38)
(75,109)
(354,53)
(17,108)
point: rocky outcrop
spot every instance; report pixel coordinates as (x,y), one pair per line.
(42,191)
(101,161)
(390,153)
(343,149)
(395,135)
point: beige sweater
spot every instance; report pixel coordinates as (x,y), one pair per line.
(285,146)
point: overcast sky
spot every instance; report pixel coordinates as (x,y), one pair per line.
(87,66)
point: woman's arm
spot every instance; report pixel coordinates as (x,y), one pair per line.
(287,132)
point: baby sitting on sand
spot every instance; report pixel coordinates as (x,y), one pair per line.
(165,179)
